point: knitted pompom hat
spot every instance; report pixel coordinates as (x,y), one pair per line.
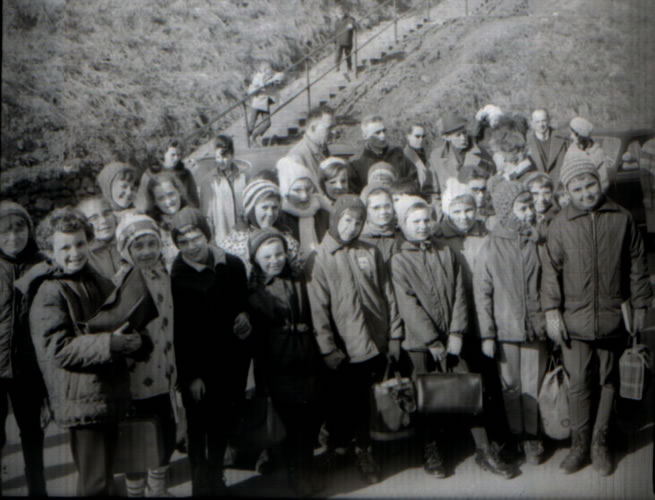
(332,160)
(289,171)
(256,190)
(8,207)
(503,195)
(382,166)
(188,218)
(455,190)
(370,189)
(577,166)
(130,228)
(260,236)
(404,204)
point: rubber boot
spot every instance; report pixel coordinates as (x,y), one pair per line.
(578,455)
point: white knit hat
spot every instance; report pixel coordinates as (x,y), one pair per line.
(289,171)
(455,189)
(404,203)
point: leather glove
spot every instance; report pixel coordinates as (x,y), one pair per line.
(555,327)
(334,359)
(454,344)
(489,348)
(394,349)
(125,344)
(638,320)
(242,327)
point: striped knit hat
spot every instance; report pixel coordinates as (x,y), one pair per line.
(130,228)
(578,166)
(256,190)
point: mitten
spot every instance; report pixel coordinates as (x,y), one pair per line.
(555,327)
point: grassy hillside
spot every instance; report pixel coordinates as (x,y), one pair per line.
(594,58)
(87,82)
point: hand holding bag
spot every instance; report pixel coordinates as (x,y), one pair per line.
(554,401)
(392,402)
(449,392)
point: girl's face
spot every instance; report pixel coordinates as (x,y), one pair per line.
(542,196)
(100,215)
(523,209)
(300,192)
(171,157)
(70,251)
(379,210)
(267,211)
(271,257)
(14,233)
(193,246)
(145,251)
(417,225)
(338,185)
(349,226)
(123,192)
(462,215)
(167,198)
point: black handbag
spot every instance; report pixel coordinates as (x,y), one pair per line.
(449,392)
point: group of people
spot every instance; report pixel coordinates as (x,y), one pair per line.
(485,255)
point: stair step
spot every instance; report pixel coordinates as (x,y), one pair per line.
(341,86)
(374,60)
(382,54)
(332,93)
(302,121)
(322,102)
(292,132)
(361,67)
(411,30)
(419,26)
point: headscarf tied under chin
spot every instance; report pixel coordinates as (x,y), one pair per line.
(346,202)
(130,228)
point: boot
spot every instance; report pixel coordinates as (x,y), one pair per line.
(487,459)
(368,468)
(601,459)
(157,482)
(433,462)
(533,449)
(136,486)
(578,455)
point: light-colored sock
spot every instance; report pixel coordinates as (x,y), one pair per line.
(157,482)
(136,487)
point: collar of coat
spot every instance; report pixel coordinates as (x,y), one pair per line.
(415,246)
(448,230)
(218,256)
(332,245)
(606,205)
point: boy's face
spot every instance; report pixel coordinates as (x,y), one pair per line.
(458,139)
(349,226)
(338,185)
(145,251)
(584,191)
(300,193)
(99,214)
(523,209)
(193,245)
(379,209)
(70,251)
(479,189)
(376,130)
(123,192)
(267,211)
(417,225)
(271,257)
(416,137)
(542,196)
(462,215)
(167,198)
(14,234)
(171,157)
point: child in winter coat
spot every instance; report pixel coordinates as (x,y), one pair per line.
(357,323)
(506,283)
(172,163)
(18,366)
(85,373)
(153,376)
(541,188)
(380,227)
(302,210)
(103,252)
(288,355)
(117,182)
(597,262)
(429,288)
(261,209)
(212,349)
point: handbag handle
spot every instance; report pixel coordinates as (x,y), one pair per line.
(396,373)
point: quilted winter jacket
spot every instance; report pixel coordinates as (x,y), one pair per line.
(597,261)
(430,292)
(352,302)
(506,288)
(85,384)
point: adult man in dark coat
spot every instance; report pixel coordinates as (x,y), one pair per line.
(546,149)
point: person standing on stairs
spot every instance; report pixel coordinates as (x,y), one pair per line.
(260,105)
(312,149)
(345,27)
